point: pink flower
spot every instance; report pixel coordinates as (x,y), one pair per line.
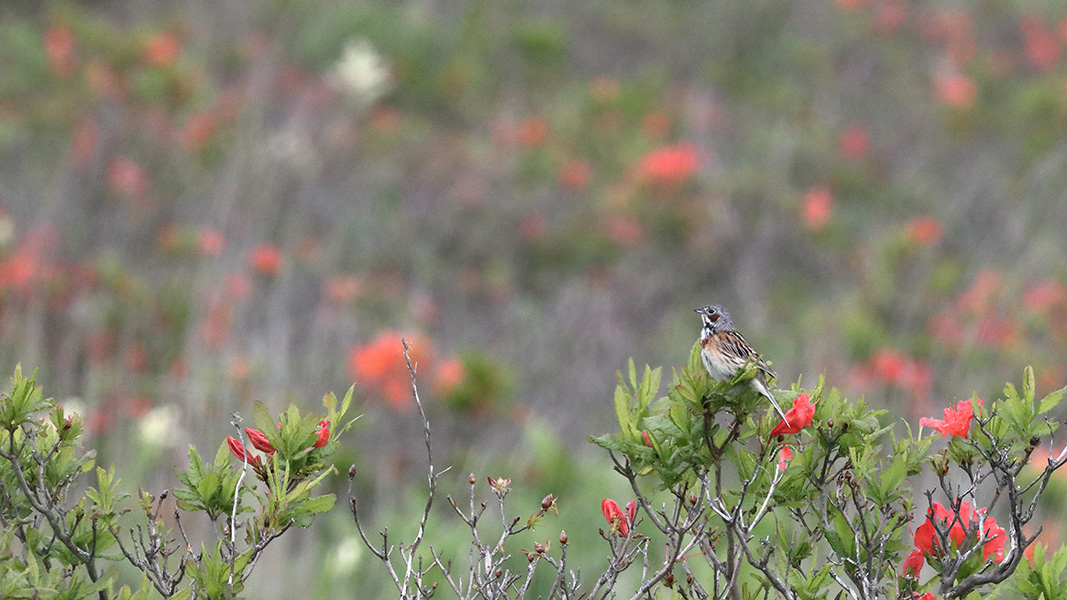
(854,143)
(957,421)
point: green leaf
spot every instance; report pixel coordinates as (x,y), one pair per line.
(893,476)
(622,410)
(319,504)
(1050,401)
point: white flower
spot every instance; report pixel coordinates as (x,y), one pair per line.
(361,72)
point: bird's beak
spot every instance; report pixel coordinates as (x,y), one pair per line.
(699,310)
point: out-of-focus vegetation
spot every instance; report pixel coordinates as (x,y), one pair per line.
(207,204)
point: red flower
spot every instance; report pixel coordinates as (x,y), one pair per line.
(796,418)
(955,89)
(619,520)
(323,433)
(854,143)
(926,596)
(913,563)
(259,440)
(239,451)
(925,230)
(784,457)
(266,259)
(957,421)
(672,164)
(957,524)
(818,204)
(648,442)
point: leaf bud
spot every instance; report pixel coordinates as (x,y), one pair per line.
(669,580)
(472,479)
(563,537)
(693,499)
(352,472)
(547,501)
(499,573)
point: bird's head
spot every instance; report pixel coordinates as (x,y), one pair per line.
(714,319)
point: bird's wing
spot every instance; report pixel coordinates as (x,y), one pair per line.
(736,344)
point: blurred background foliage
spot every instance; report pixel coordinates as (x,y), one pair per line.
(209,203)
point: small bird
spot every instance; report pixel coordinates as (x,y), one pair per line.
(725,351)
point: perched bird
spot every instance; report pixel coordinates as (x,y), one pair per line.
(725,351)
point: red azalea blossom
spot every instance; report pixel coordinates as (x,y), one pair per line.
(239,451)
(796,418)
(323,433)
(784,457)
(926,596)
(854,143)
(926,537)
(259,440)
(619,520)
(648,442)
(668,165)
(913,564)
(266,259)
(925,230)
(957,421)
(817,207)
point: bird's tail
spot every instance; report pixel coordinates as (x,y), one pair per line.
(765,390)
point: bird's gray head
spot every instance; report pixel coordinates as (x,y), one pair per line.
(715,319)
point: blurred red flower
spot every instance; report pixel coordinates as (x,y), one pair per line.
(670,165)
(817,207)
(380,366)
(266,259)
(128,178)
(890,16)
(894,368)
(533,132)
(450,373)
(955,90)
(575,174)
(210,241)
(161,50)
(1040,43)
(978,299)
(854,143)
(84,141)
(796,418)
(1044,296)
(342,289)
(59,45)
(198,130)
(532,226)
(957,420)
(624,230)
(925,230)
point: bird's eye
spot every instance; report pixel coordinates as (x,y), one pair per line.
(713,317)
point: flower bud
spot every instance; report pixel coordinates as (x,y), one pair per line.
(693,499)
(352,471)
(669,580)
(499,573)
(547,502)
(472,479)
(539,548)
(563,537)
(259,440)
